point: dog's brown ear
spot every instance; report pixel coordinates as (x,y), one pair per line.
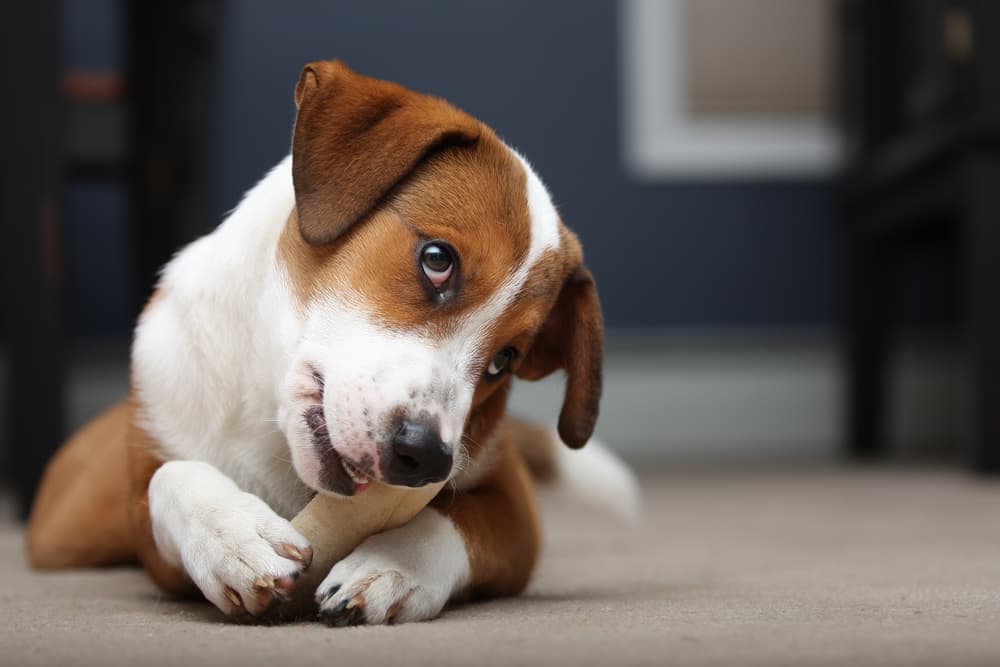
(355,138)
(572,338)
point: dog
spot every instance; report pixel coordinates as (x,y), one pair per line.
(358,318)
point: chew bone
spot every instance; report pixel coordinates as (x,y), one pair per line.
(336,526)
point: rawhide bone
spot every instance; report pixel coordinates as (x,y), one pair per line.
(336,526)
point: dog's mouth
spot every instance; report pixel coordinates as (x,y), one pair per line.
(337,474)
(355,473)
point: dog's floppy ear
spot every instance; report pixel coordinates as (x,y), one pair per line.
(355,138)
(572,338)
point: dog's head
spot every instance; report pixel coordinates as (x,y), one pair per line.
(429,265)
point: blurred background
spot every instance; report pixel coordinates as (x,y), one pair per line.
(790,206)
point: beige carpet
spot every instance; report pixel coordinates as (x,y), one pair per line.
(779,568)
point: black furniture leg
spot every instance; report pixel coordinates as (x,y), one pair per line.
(31,239)
(171,50)
(867,332)
(982,306)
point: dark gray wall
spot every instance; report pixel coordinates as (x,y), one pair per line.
(545,76)
(92,33)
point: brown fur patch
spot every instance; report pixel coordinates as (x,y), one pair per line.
(80,514)
(500,526)
(92,507)
(355,138)
(302,262)
(572,338)
(472,198)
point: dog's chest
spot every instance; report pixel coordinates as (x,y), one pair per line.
(261,465)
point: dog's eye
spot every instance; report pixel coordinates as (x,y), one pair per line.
(500,362)
(437,263)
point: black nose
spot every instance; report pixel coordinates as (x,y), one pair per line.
(418,455)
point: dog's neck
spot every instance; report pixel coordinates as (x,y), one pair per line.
(232,297)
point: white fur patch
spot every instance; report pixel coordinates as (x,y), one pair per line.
(596,476)
(544,217)
(209,354)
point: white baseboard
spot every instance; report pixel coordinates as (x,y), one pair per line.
(698,398)
(752,400)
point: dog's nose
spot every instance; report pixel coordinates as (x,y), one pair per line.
(419,456)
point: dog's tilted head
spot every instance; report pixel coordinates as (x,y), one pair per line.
(430,266)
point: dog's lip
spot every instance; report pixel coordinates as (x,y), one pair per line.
(338,474)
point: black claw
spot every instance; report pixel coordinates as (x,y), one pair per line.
(340,616)
(341,606)
(329,594)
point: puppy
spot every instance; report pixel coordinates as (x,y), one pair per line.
(357,318)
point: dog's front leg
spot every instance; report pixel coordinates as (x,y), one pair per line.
(240,554)
(481,542)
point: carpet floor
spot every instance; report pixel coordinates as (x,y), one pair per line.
(828,567)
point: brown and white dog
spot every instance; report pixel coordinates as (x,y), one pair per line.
(358,317)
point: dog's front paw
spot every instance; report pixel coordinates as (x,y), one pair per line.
(377,595)
(242,556)
(245,558)
(402,575)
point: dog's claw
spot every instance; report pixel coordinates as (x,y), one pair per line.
(234,599)
(292,552)
(347,612)
(326,595)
